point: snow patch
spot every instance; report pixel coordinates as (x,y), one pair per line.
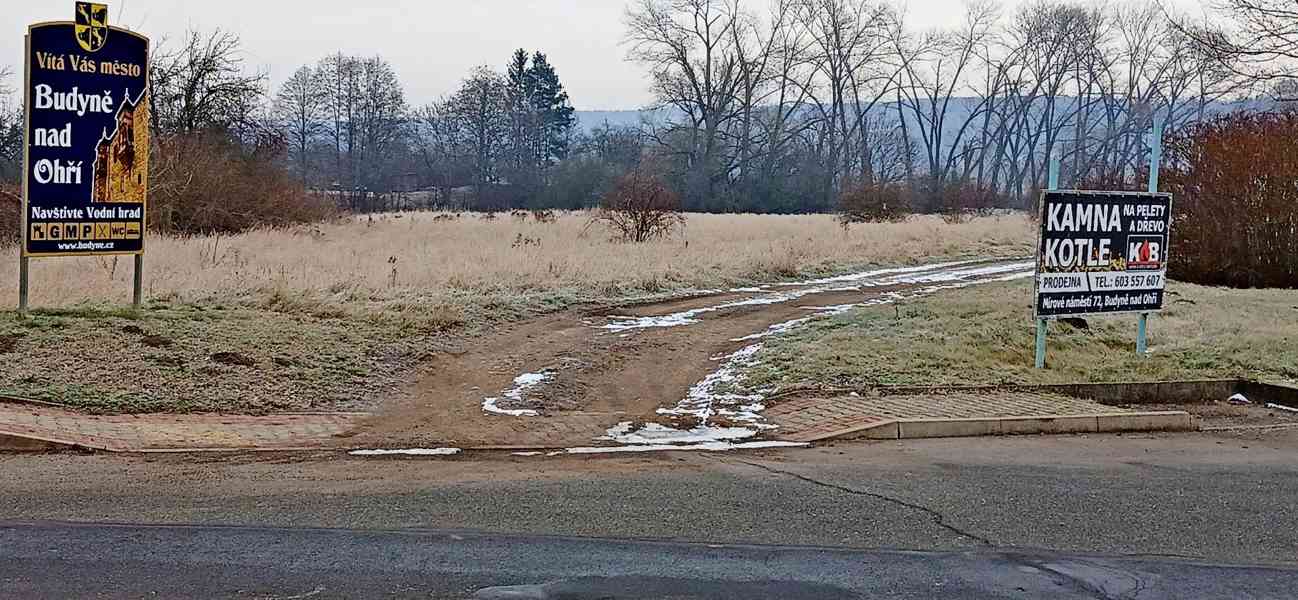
(407,452)
(521,384)
(934,273)
(705,446)
(654,433)
(882,272)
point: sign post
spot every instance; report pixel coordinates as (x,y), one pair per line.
(86,146)
(1042,326)
(1155,157)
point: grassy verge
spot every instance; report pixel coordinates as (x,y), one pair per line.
(206,358)
(984,335)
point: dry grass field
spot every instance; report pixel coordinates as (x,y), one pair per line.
(396,261)
(336,315)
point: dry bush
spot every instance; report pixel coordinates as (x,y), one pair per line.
(205,183)
(470,263)
(1235,186)
(640,207)
(10,214)
(873,203)
(960,201)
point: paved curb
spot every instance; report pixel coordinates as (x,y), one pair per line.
(895,429)
(21,442)
(910,429)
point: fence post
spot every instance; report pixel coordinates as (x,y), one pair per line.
(1042,326)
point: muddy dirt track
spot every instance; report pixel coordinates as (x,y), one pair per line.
(565,379)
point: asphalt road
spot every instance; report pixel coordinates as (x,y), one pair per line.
(98,561)
(975,516)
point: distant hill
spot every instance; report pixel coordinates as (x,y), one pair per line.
(590,119)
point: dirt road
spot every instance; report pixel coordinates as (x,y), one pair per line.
(656,373)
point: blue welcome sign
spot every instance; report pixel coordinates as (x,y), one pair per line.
(87,138)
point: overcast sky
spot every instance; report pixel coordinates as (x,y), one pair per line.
(431,43)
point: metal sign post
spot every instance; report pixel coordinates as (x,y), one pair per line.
(1155,157)
(23,263)
(1042,326)
(137,293)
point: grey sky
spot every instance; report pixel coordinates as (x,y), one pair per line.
(431,43)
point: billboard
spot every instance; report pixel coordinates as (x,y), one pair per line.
(1102,252)
(86,156)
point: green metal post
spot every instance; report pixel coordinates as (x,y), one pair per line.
(1155,157)
(1042,326)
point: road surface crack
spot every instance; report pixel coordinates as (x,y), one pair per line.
(938,518)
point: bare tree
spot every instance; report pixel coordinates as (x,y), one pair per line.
(934,71)
(1260,41)
(696,66)
(11,130)
(300,109)
(201,84)
(481,113)
(379,126)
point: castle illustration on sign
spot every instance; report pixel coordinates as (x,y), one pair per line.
(122,157)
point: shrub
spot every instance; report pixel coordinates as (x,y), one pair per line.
(959,201)
(205,183)
(873,203)
(640,207)
(1235,205)
(10,214)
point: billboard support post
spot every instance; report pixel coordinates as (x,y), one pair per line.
(1042,325)
(137,294)
(23,263)
(1155,157)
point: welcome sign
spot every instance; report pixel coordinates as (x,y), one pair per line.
(87,137)
(1102,252)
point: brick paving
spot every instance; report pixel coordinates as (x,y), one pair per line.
(162,432)
(811,418)
(799,419)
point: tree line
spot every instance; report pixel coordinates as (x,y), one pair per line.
(788,109)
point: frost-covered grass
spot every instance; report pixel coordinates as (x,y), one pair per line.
(985,334)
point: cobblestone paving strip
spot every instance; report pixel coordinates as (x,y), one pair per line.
(162,432)
(808,418)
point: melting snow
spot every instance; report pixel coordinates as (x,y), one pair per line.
(934,273)
(882,272)
(521,384)
(654,433)
(705,446)
(407,452)
(960,274)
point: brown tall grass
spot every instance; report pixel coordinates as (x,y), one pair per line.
(414,260)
